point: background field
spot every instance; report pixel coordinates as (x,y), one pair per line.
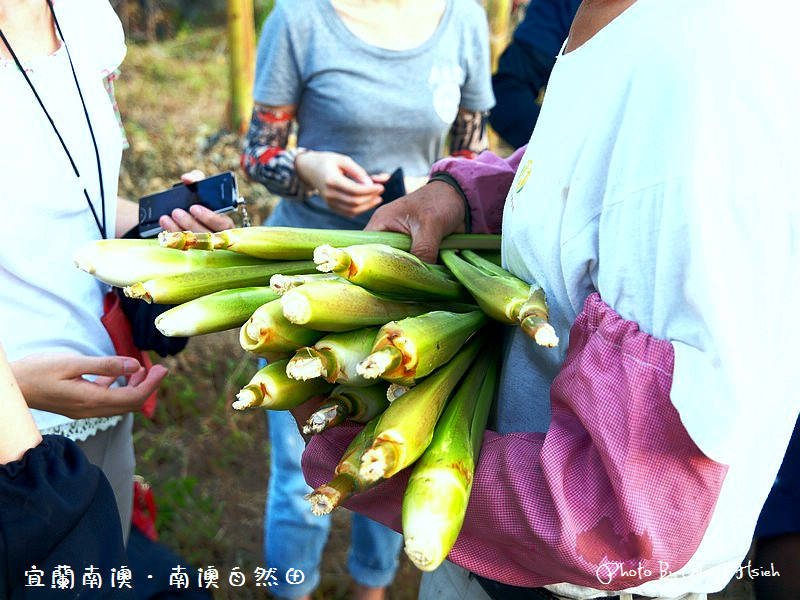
(206,463)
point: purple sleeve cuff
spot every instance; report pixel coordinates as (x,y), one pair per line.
(615,480)
(485,182)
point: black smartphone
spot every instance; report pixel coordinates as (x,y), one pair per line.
(218,193)
(395,186)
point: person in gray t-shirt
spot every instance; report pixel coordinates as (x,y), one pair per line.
(372,87)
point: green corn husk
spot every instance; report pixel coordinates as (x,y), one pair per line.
(405,429)
(295,243)
(435,501)
(283,282)
(267,333)
(411,348)
(335,306)
(503,296)
(125,262)
(387,270)
(219,311)
(335,357)
(270,388)
(347,480)
(174,289)
(359,404)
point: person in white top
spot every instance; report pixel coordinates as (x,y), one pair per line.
(656,203)
(59,163)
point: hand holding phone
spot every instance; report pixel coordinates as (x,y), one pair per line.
(217,193)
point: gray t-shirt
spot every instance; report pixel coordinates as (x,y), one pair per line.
(384,108)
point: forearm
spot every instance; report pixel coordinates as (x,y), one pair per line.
(484,182)
(468,137)
(265,158)
(127,216)
(18,432)
(550,508)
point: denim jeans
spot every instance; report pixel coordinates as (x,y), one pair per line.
(294,538)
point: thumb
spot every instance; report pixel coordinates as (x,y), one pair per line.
(425,241)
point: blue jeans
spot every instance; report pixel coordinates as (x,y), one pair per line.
(294,537)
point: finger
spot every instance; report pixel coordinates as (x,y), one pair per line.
(186,222)
(138,393)
(193,176)
(348,208)
(380,177)
(104,381)
(210,219)
(110,366)
(167,224)
(343,185)
(137,377)
(353,170)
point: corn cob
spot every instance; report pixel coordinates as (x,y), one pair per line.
(386,270)
(359,404)
(503,296)
(215,312)
(335,357)
(411,348)
(283,282)
(294,243)
(405,429)
(124,262)
(270,388)
(174,289)
(438,490)
(347,480)
(267,333)
(336,306)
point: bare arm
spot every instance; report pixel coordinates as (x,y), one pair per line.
(18,432)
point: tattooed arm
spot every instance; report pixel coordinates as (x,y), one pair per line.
(345,186)
(265,158)
(468,136)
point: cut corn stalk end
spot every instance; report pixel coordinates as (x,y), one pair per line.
(137,290)
(327,497)
(307,363)
(395,390)
(184,240)
(321,420)
(249,396)
(377,461)
(296,308)
(540,331)
(321,503)
(421,550)
(330,259)
(377,363)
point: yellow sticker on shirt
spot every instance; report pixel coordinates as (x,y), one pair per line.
(524,174)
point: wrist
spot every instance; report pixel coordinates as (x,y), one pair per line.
(302,167)
(445,180)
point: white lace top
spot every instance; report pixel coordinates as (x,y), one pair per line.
(47,304)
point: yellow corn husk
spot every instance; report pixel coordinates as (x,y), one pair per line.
(436,498)
(411,348)
(359,404)
(405,429)
(295,243)
(270,388)
(267,333)
(335,357)
(125,262)
(387,270)
(347,479)
(336,306)
(174,289)
(283,282)
(215,312)
(503,296)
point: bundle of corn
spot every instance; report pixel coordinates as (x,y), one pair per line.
(386,337)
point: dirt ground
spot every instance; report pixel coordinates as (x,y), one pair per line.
(206,463)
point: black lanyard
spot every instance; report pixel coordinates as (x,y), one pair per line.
(100,225)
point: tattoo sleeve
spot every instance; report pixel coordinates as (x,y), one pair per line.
(265,158)
(468,136)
